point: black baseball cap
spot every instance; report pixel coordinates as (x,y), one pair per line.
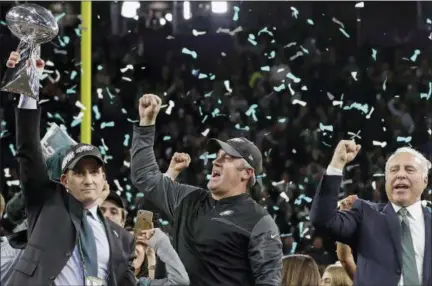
(238,148)
(77,152)
(114,197)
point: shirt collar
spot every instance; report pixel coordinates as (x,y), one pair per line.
(415,210)
(93,211)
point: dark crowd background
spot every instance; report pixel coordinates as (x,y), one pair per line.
(298,78)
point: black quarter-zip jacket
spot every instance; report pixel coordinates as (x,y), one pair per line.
(232,241)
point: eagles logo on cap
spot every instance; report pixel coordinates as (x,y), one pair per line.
(79,151)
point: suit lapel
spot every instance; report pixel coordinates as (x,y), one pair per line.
(393,223)
(427,252)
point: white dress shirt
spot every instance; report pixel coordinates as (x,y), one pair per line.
(417,228)
(416,224)
(73,272)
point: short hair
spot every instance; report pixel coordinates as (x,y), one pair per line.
(425,163)
(300,270)
(338,275)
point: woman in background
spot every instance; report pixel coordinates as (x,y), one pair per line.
(300,270)
(335,275)
(158,241)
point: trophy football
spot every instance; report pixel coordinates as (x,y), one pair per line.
(33,25)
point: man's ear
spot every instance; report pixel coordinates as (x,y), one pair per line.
(63,180)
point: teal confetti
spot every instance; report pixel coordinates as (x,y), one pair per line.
(266,31)
(404,139)
(99,67)
(246,128)
(204,119)
(427,95)
(3,23)
(215,112)
(236,11)
(344,33)
(186,51)
(310,22)
(126,140)
(413,58)
(212,77)
(202,75)
(58,116)
(293,78)
(272,55)
(295,12)
(362,107)
(304,50)
(374,54)
(59,17)
(384,86)
(251,111)
(73,75)
(279,88)
(76,122)
(96,112)
(208,94)
(326,127)
(265,68)
(71,90)
(166,138)
(251,39)
(428,21)
(12,149)
(78,31)
(107,124)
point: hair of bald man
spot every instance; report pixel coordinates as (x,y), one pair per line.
(425,163)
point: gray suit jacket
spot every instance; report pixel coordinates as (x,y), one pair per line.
(54,218)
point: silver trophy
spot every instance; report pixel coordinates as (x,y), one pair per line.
(33,25)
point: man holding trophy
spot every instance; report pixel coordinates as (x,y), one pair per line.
(69,240)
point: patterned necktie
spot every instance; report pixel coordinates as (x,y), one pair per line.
(88,246)
(409,267)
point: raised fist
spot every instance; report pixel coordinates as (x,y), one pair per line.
(149,106)
(15,57)
(347,203)
(345,152)
(179,162)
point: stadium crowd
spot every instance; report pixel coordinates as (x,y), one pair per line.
(291,91)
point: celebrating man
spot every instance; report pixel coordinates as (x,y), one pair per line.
(392,241)
(222,237)
(69,242)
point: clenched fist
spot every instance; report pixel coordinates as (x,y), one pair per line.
(15,57)
(149,106)
(347,203)
(345,152)
(179,162)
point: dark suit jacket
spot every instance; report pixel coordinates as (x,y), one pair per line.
(54,218)
(372,229)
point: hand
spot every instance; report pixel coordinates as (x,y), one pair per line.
(149,106)
(144,236)
(345,152)
(347,203)
(179,162)
(15,57)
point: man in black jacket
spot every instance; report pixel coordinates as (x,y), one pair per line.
(65,225)
(222,237)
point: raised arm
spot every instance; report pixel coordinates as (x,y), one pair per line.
(33,172)
(160,189)
(324,214)
(265,253)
